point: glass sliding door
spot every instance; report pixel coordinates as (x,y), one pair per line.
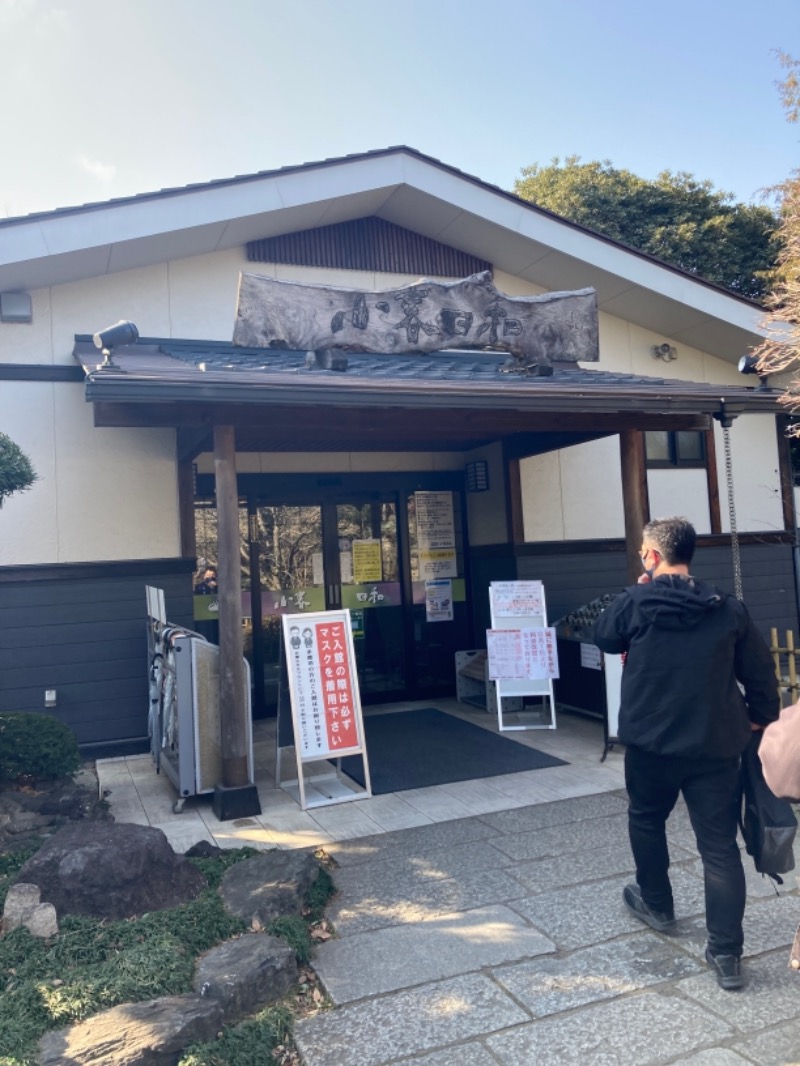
(395,559)
(368,583)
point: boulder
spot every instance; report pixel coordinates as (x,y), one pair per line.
(111,871)
(269,885)
(135,1034)
(246,974)
(23,907)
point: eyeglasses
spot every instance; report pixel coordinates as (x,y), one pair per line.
(646,551)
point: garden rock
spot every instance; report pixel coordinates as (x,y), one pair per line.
(111,871)
(23,906)
(245,975)
(39,809)
(135,1034)
(269,885)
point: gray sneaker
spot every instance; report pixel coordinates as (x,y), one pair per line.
(662,921)
(727,969)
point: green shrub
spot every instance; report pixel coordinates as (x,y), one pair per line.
(36,745)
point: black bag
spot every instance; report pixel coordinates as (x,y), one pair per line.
(768,823)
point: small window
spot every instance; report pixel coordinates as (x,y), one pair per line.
(675,448)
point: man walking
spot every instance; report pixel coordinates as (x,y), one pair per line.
(685,722)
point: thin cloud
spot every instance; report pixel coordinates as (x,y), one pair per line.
(14,11)
(101,171)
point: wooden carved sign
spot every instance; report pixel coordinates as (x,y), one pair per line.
(426,316)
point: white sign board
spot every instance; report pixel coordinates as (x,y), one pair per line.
(323,685)
(518,607)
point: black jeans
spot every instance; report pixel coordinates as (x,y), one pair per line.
(710,788)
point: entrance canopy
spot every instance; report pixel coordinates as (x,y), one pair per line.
(451,401)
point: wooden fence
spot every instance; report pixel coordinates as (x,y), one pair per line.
(785,659)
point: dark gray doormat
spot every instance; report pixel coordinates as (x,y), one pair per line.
(416,749)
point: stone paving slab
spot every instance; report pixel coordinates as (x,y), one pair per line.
(416,869)
(401,956)
(549,985)
(419,840)
(405,900)
(408,1023)
(778,1046)
(581,915)
(560,812)
(768,924)
(463,1054)
(771,996)
(572,838)
(718,1056)
(555,871)
(646,1030)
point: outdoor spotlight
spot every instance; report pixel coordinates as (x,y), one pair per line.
(114,337)
(748,364)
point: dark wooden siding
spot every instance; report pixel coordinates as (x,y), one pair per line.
(367,244)
(573,577)
(80,629)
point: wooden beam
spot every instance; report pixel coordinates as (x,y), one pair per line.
(635,499)
(408,424)
(232,696)
(712,482)
(786,473)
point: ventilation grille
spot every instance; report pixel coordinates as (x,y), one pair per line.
(367,244)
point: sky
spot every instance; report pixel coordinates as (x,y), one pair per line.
(108,98)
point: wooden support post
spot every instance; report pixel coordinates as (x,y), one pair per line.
(635,500)
(232,695)
(186,508)
(515,517)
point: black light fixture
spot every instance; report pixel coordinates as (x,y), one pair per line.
(477,475)
(748,364)
(111,337)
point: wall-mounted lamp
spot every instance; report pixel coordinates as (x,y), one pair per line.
(748,364)
(664,352)
(114,337)
(477,475)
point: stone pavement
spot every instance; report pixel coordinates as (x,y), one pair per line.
(502,940)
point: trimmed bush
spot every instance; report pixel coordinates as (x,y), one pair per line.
(37,746)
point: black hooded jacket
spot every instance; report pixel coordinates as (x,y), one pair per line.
(687,646)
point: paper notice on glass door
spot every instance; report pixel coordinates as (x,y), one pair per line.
(439,601)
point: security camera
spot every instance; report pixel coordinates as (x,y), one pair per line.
(114,337)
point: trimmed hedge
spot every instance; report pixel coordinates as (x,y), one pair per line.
(36,745)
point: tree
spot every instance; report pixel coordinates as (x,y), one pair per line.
(676,218)
(16,472)
(781,349)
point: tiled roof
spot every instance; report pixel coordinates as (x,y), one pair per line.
(207,371)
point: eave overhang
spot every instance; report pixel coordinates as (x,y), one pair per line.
(207,375)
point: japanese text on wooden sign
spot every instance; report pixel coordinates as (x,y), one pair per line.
(323,684)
